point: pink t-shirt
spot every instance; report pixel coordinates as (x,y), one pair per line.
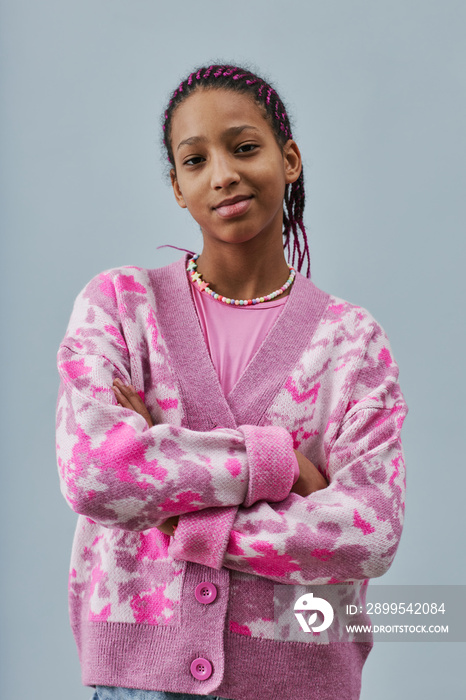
(233,334)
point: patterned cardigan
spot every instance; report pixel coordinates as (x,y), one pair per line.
(323,381)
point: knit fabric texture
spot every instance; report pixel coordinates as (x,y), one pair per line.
(324,382)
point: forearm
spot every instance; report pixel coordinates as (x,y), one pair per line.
(348,531)
(309,480)
(118,471)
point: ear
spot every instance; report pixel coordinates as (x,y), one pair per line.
(292,161)
(176,189)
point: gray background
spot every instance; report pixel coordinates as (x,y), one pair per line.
(377,90)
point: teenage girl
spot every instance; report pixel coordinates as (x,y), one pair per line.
(223,427)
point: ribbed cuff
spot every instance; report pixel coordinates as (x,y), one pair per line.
(272,463)
(202,537)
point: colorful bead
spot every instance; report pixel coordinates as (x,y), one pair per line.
(203,287)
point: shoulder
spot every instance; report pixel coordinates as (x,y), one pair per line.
(363,344)
(360,335)
(105,305)
(108,284)
(340,318)
(354,352)
(110,287)
(108,296)
(351,317)
(131,278)
(351,333)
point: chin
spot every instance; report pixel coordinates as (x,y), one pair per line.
(233,237)
(241,234)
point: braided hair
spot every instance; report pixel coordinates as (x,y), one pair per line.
(227,77)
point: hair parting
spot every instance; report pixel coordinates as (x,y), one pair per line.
(236,79)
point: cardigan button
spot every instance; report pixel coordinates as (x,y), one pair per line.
(201,669)
(205,592)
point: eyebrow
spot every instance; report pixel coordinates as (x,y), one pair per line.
(231,131)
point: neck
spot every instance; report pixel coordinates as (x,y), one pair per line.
(243,270)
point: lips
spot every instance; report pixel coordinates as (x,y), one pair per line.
(235,206)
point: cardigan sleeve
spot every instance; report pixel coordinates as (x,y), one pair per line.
(348,531)
(117,471)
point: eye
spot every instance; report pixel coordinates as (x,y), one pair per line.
(246,148)
(194,160)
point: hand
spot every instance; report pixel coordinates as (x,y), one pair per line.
(167,526)
(310,479)
(128,397)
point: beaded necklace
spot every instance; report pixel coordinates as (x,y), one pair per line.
(191,268)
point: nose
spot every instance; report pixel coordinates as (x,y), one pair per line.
(223,172)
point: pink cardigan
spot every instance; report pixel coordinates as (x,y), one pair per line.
(324,381)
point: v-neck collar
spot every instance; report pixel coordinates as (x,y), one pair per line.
(205,405)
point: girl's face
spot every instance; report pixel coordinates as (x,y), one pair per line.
(229,170)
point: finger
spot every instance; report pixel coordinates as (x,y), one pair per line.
(121,385)
(121,398)
(130,393)
(168,527)
(129,398)
(134,401)
(165,529)
(118,387)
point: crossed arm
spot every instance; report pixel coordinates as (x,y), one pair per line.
(310,479)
